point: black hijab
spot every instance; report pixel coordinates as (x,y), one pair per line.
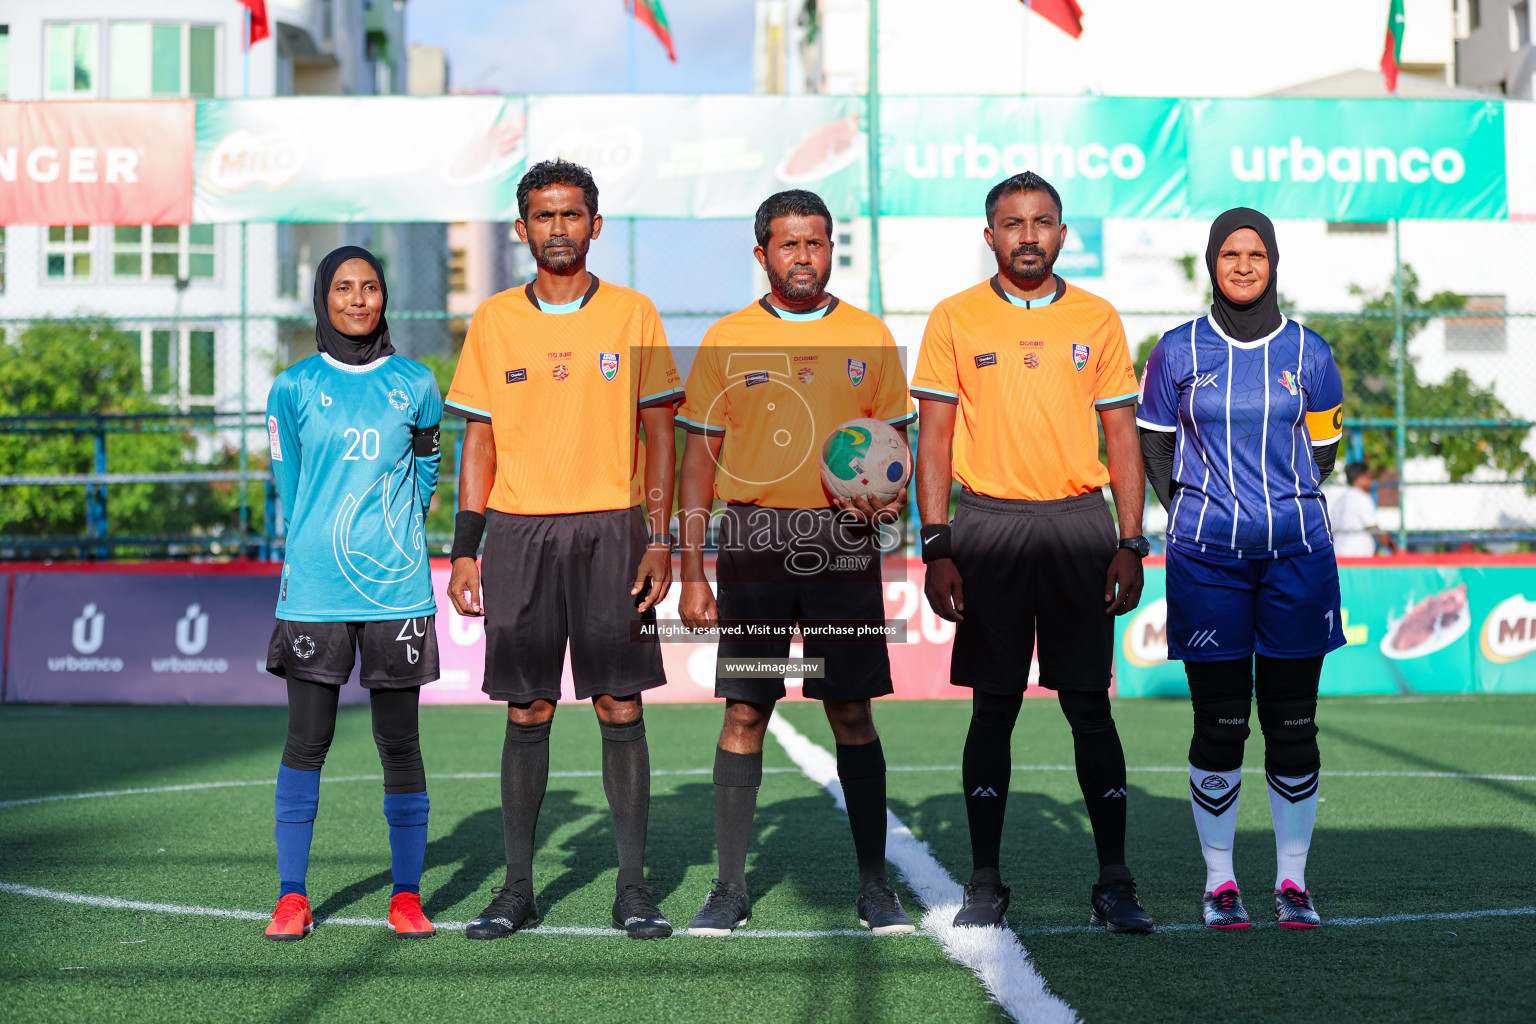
(355,349)
(1259,318)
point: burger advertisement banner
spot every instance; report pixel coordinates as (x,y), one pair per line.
(1410,627)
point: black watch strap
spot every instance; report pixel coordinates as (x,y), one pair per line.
(1138,544)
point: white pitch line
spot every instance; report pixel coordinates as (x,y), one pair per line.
(113,903)
(1328,922)
(994,955)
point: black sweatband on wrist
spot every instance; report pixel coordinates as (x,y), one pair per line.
(426,441)
(935,539)
(468,528)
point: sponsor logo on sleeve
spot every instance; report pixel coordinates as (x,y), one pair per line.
(273,441)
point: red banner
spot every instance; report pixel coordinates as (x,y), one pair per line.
(97,163)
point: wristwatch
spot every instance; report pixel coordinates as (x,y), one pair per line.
(663,538)
(1140,545)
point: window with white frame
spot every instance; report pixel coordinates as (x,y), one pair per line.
(162,60)
(180,365)
(67,250)
(164,252)
(70,59)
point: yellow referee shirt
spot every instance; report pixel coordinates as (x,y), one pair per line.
(1030,382)
(774,384)
(562,391)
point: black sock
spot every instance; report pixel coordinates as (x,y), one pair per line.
(627,781)
(524,777)
(737,778)
(861,770)
(986,767)
(1100,770)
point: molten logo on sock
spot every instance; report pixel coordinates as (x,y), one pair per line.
(984,791)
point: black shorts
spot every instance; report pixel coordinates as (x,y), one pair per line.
(779,565)
(396,653)
(547,580)
(1033,571)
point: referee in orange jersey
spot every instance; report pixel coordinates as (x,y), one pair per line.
(769,383)
(555,379)
(1033,366)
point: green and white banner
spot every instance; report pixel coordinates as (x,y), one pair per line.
(1108,158)
(329,159)
(1411,628)
(1348,160)
(391,158)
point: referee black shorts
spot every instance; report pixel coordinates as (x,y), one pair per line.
(547,580)
(783,565)
(1033,571)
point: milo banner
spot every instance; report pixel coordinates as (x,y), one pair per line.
(1348,160)
(706,156)
(1411,626)
(330,159)
(1109,157)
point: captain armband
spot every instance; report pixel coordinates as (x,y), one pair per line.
(426,441)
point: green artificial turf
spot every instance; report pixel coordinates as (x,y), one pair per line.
(1384,846)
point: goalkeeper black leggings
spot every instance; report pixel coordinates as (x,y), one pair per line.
(312,724)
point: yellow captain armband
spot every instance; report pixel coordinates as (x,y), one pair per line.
(1327,425)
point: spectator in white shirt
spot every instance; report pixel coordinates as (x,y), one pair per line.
(1353,514)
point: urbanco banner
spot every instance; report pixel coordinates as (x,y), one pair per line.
(96,163)
(1348,160)
(329,159)
(939,155)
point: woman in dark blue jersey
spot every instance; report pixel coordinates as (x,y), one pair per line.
(354,450)
(1240,421)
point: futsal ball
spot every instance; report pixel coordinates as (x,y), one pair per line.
(865,457)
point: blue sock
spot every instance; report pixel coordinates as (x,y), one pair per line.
(407,817)
(298,798)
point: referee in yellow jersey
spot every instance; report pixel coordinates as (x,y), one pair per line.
(769,383)
(1033,366)
(555,379)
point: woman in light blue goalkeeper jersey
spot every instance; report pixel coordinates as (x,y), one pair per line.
(354,449)
(1240,417)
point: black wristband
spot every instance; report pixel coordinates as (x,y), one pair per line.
(468,528)
(425,441)
(936,542)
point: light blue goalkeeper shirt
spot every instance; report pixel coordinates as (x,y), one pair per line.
(355,481)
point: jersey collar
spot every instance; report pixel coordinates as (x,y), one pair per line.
(591,291)
(352,368)
(1061,289)
(1285,322)
(773,310)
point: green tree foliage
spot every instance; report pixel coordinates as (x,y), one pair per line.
(1362,346)
(83,369)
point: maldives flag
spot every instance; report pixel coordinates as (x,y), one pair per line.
(259,28)
(1393,51)
(1064,14)
(654,18)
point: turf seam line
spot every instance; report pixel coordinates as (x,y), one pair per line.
(1184,769)
(113,903)
(1328,922)
(994,955)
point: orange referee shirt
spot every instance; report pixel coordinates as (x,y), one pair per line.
(774,386)
(1029,383)
(562,391)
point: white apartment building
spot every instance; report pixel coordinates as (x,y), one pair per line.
(182,288)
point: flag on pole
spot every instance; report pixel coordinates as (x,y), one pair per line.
(259,28)
(1392,54)
(651,15)
(1064,14)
